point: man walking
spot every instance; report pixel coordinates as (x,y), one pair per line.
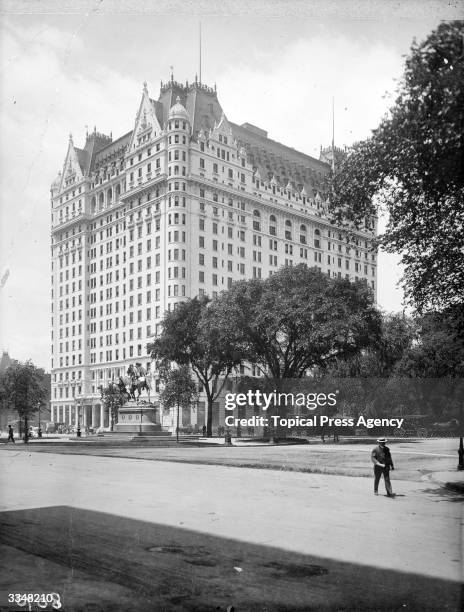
(10,435)
(381,458)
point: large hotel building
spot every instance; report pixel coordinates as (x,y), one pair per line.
(183,205)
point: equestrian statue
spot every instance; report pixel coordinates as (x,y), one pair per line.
(137,381)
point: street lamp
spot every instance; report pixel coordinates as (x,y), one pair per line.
(78,432)
(461,446)
(39,404)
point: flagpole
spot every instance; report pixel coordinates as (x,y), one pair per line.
(333,134)
(199,44)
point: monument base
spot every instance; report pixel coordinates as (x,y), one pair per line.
(138,418)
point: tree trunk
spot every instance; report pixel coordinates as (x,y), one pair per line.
(177,428)
(26,430)
(277,431)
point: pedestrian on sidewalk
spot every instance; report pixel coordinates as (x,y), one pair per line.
(382,460)
(10,435)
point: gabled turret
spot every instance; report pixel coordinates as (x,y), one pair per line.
(73,172)
(147,125)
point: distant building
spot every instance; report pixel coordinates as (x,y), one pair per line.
(5,361)
(183,205)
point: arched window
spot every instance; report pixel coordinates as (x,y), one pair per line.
(109,196)
(288,230)
(256,220)
(273,225)
(118,190)
(101,200)
(93,205)
(303,233)
(317,238)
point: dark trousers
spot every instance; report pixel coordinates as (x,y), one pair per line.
(12,439)
(378,471)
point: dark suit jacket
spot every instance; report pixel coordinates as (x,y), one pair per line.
(382,455)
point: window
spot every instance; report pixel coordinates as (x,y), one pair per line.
(272,225)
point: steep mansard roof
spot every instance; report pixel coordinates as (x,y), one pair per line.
(270,158)
(273,159)
(114,148)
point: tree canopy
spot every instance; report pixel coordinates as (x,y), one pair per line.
(179,390)
(297,319)
(23,388)
(438,350)
(413,165)
(192,336)
(113,399)
(396,336)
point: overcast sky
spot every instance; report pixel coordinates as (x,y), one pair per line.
(276,65)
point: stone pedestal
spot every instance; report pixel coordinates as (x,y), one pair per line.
(138,418)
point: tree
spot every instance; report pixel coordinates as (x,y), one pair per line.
(298,319)
(439,347)
(397,334)
(23,389)
(112,399)
(190,336)
(179,390)
(413,164)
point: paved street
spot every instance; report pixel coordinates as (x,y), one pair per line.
(172,533)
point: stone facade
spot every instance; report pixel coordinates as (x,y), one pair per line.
(184,204)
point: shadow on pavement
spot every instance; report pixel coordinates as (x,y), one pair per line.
(99,561)
(446,494)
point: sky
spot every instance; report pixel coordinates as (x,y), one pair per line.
(68,66)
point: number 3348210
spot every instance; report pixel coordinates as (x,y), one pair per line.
(41,600)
